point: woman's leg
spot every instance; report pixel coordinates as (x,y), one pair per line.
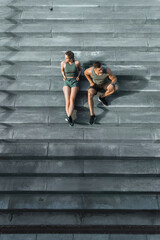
(67,93)
(74,91)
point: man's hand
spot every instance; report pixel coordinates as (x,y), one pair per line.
(92,84)
(77,78)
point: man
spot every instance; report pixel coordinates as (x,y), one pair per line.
(99,79)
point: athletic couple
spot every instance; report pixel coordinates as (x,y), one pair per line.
(99,78)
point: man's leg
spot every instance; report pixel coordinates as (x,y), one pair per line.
(91,93)
(110,90)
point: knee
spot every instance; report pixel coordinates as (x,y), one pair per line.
(90,94)
(72,100)
(111,89)
(67,103)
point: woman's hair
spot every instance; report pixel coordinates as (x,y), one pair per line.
(96,64)
(70,54)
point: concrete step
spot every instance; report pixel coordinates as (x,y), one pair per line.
(17,15)
(83,167)
(55,132)
(80,29)
(79,236)
(18,71)
(55,84)
(85,57)
(63,13)
(140,149)
(105,201)
(60,42)
(27,3)
(72,149)
(19,30)
(80,219)
(43,99)
(109,3)
(110,169)
(86,184)
(114,116)
(83,6)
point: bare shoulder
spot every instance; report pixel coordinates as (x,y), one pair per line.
(63,64)
(108,71)
(88,70)
(77,62)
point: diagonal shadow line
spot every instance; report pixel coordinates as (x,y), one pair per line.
(15,11)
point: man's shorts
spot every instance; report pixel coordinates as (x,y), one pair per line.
(71,82)
(100,88)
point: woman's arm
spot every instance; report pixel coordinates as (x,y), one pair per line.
(62,70)
(78,65)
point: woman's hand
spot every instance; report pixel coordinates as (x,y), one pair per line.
(64,78)
(77,78)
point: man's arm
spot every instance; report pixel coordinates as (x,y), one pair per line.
(111,76)
(87,74)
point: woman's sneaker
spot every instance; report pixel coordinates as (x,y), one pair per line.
(69,120)
(103,101)
(92,119)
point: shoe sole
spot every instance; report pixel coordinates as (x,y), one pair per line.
(93,121)
(71,125)
(102,103)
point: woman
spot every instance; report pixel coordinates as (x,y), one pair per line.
(71,70)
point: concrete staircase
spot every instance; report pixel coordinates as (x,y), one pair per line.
(86,182)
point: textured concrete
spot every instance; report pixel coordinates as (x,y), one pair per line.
(23,149)
(106,201)
(81,184)
(78,237)
(45,165)
(60,219)
(88,167)
(55,236)
(46,201)
(18,236)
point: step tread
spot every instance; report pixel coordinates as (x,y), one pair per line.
(56,115)
(72,149)
(106,201)
(120,133)
(75,219)
(70,167)
(55,84)
(80,184)
(81,236)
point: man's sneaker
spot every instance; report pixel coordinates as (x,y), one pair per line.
(103,101)
(92,119)
(69,120)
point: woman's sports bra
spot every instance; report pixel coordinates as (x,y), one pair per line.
(70,70)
